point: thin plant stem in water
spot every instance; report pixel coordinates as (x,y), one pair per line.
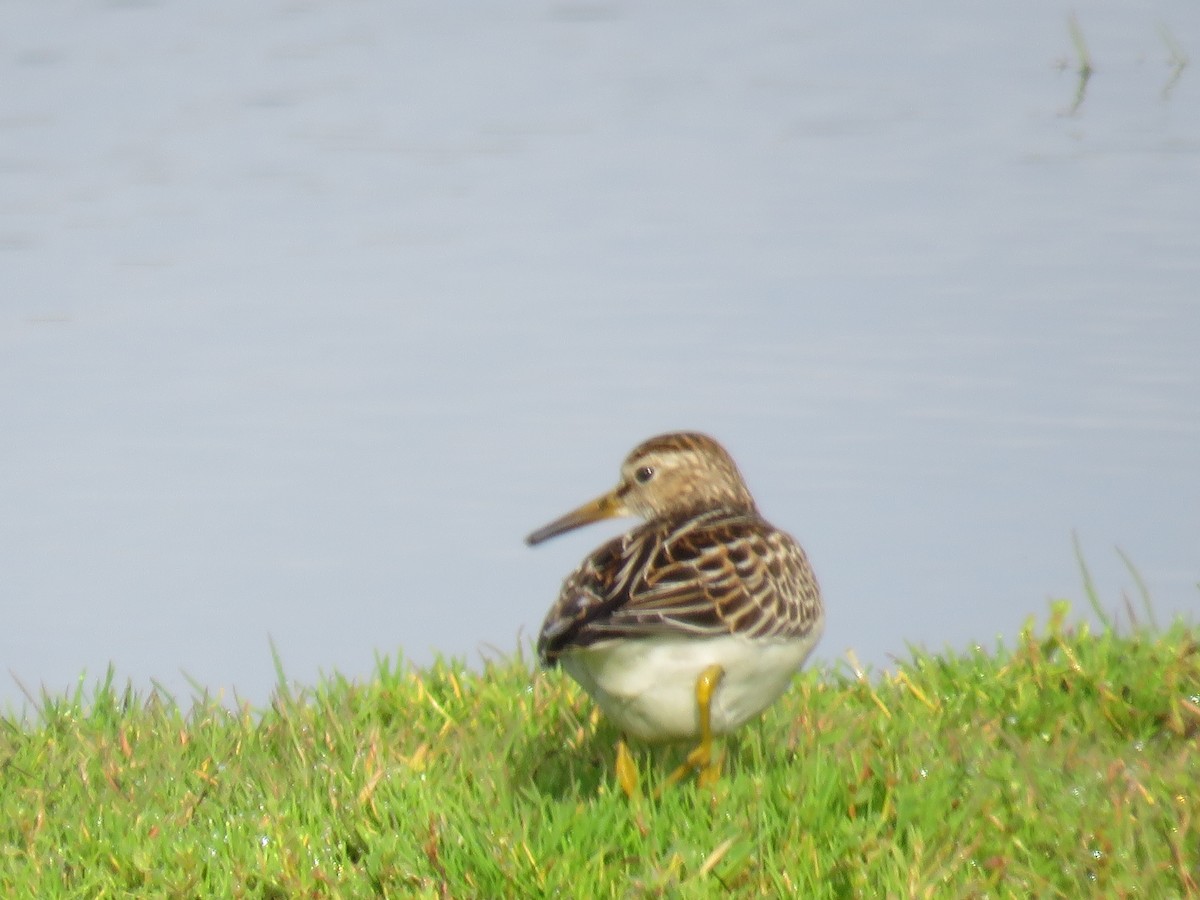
(1177,59)
(1084,63)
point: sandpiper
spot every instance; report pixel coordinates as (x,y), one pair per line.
(694,621)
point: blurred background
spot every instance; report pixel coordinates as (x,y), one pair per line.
(310,312)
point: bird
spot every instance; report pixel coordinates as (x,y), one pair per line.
(691,623)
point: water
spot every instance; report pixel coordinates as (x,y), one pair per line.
(311,313)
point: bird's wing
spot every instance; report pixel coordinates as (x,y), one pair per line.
(714,575)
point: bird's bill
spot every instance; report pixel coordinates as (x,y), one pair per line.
(606,506)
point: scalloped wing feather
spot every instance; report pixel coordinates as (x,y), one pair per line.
(715,574)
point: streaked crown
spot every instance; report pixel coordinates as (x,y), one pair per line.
(679,473)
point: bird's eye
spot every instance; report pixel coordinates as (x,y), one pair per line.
(644,474)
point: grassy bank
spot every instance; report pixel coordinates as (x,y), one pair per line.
(1067,765)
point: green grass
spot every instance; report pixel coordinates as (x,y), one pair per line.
(1065,766)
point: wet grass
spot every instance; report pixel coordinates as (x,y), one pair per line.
(1065,765)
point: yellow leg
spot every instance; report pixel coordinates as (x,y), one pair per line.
(700,760)
(627,773)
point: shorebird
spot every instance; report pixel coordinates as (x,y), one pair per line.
(691,623)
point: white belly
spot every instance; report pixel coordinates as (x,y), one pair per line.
(647,687)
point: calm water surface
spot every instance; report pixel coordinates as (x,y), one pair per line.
(311,312)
